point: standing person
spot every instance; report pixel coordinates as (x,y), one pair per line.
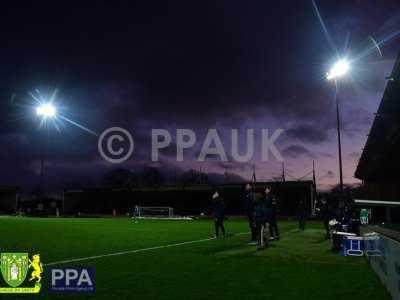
(249,211)
(260,215)
(218,208)
(326,216)
(364,216)
(354,224)
(301,213)
(271,206)
(135,213)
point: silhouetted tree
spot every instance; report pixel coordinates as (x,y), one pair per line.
(118,178)
(152,176)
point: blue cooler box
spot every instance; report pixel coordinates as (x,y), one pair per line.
(353,246)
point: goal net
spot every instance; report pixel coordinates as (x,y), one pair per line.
(153,211)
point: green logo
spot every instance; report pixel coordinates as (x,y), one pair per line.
(14,268)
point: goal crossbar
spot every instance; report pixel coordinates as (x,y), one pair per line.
(156,211)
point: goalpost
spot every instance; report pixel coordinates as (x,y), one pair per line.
(156,211)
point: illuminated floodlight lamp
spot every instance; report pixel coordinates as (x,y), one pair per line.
(46,110)
(339,69)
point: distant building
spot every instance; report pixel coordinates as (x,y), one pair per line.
(379,165)
(8,199)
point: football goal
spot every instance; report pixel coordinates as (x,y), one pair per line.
(156,211)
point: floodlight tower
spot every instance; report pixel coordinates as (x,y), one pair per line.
(45,111)
(337,71)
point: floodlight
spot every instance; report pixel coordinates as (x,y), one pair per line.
(339,69)
(46,110)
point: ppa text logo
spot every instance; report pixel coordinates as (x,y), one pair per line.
(72,280)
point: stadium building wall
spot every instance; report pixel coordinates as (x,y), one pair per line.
(384,190)
(387,264)
(186,200)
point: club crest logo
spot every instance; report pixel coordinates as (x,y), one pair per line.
(15,267)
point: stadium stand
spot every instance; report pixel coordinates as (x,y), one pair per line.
(379,165)
(379,168)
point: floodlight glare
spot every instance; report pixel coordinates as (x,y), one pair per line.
(339,69)
(46,110)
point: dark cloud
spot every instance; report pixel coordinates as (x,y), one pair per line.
(325,155)
(308,133)
(354,155)
(356,121)
(296,151)
(175,64)
(328,175)
(233,165)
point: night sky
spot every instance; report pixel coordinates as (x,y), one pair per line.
(190,64)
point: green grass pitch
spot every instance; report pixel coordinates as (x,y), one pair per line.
(300,266)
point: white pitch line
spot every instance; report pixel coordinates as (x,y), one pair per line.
(130,251)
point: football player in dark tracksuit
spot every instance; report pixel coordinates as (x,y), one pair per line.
(218,208)
(302,214)
(271,205)
(260,215)
(249,211)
